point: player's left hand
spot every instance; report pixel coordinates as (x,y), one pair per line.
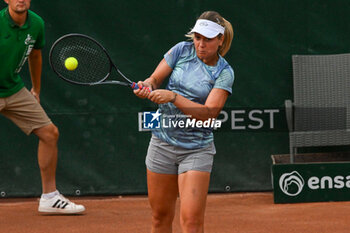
(161,96)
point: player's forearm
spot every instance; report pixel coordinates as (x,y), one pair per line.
(196,110)
(160,73)
(153,82)
(35,69)
(210,109)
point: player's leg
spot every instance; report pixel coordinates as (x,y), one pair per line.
(194,175)
(193,189)
(162,195)
(162,184)
(47,156)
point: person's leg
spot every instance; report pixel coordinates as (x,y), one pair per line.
(193,189)
(51,200)
(162,195)
(25,111)
(47,156)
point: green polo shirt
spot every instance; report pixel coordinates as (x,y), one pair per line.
(16,43)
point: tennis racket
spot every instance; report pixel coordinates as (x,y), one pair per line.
(93,67)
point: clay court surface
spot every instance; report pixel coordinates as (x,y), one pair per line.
(226,213)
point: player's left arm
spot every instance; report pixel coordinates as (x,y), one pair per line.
(211,109)
(35,69)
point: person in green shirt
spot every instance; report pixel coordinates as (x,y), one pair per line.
(21,39)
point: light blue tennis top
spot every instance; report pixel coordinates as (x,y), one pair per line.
(194,80)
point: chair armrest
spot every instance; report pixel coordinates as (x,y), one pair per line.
(289,114)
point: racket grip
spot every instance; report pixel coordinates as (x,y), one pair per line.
(134,86)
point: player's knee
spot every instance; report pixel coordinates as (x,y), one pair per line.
(162,219)
(193,224)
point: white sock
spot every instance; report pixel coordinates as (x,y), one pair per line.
(50,195)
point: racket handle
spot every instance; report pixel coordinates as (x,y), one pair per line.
(134,86)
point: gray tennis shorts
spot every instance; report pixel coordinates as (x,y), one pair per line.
(167,159)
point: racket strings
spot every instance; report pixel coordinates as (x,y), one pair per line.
(93,63)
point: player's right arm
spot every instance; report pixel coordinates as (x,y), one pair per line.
(162,71)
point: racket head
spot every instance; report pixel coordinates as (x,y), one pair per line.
(94,64)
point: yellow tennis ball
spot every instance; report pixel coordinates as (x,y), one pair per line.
(71,63)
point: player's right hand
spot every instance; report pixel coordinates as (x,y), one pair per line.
(144,89)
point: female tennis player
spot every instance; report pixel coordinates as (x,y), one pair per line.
(179,159)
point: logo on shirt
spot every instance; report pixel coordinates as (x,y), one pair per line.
(29,40)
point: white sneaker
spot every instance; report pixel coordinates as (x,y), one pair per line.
(59,205)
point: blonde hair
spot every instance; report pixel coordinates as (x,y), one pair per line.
(228,34)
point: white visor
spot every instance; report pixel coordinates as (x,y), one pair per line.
(208,28)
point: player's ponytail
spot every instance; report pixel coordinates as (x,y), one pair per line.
(228,36)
